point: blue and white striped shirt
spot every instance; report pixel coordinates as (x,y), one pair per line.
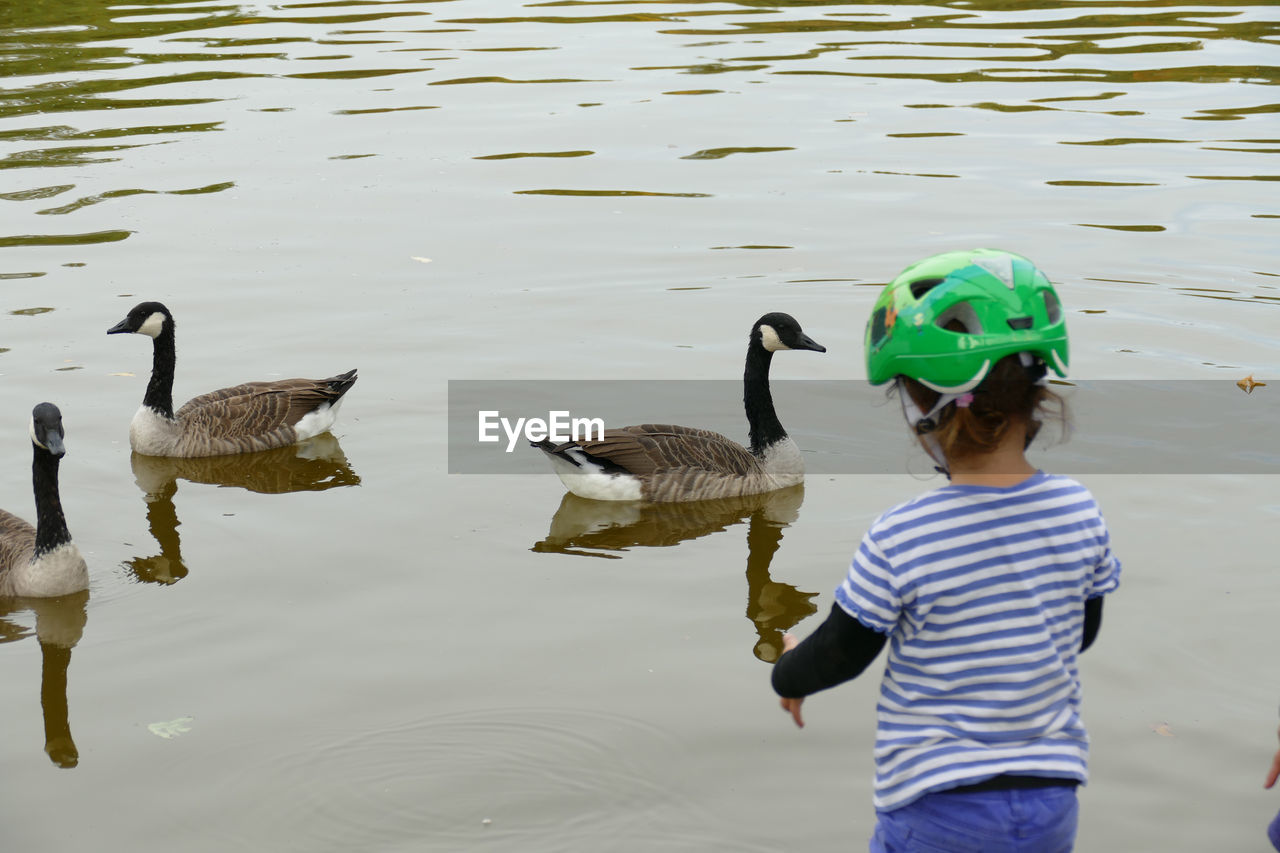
(981,591)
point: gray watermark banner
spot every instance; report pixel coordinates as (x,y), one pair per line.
(851,427)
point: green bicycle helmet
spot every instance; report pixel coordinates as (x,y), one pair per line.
(1002,303)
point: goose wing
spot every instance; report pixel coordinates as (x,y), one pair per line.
(650,448)
(17,540)
(254,408)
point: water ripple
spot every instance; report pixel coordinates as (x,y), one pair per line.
(539,778)
(110,236)
(352,74)
(468,80)
(37,193)
(88,201)
(523,154)
(721,153)
(1134,228)
(612,193)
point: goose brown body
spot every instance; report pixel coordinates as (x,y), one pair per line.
(24,571)
(245,418)
(17,544)
(677,463)
(666,462)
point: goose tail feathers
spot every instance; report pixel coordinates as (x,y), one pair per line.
(555,451)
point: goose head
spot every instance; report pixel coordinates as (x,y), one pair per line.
(146,318)
(778,331)
(46,429)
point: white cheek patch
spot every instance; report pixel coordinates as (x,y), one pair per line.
(31,428)
(770,340)
(153,325)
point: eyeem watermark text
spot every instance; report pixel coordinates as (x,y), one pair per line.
(559,427)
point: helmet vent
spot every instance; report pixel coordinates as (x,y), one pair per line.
(1019,323)
(960,318)
(878,329)
(1052,306)
(921,286)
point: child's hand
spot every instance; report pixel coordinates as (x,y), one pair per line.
(1272,774)
(792,706)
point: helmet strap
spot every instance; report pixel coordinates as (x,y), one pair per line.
(924,423)
(1036,368)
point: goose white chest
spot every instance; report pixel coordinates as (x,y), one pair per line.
(59,571)
(151,433)
(783,463)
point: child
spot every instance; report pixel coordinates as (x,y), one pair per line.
(985,589)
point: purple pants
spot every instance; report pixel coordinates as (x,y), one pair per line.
(1025,820)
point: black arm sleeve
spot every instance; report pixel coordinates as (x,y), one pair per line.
(840,649)
(1092,621)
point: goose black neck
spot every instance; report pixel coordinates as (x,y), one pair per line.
(159,394)
(51,524)
(765,428)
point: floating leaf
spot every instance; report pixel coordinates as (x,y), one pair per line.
(1249,383)
(1162,729)
(419,260)
(171,728)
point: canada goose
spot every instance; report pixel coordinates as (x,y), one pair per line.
(661,462)
(242,419)
(42,561)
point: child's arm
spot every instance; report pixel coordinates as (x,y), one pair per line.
(1092,621)
(839,650)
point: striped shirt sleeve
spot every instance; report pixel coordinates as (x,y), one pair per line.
(1106,573)
(870,591)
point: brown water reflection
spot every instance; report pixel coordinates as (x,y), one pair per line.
(312,466)
(89,35)
(59,625)
(590,528)
(99,63)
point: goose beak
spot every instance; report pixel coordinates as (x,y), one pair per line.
(809,343)
(53,444)
(122,326)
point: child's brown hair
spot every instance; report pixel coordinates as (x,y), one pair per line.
(1010,394)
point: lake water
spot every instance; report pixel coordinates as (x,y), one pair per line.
(347,647)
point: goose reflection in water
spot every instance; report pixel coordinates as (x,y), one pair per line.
(311,466)
(59,624)
(604,528)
